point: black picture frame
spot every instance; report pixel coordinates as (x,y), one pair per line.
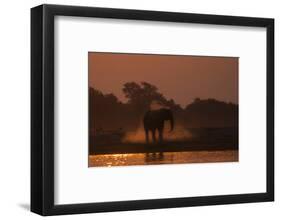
(42,109)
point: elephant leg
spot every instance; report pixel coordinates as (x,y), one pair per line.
(146,136)
(154,136)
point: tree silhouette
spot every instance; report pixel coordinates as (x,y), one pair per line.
(132,92)
(141,95)
(108,113)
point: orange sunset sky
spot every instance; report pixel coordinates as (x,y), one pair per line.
(180,77)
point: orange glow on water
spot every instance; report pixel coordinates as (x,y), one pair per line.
(109,160)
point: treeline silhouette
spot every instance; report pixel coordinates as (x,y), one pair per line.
(106,112)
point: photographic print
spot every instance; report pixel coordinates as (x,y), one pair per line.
(161,96)
(162,109)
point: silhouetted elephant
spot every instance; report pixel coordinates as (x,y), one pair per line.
(154,120)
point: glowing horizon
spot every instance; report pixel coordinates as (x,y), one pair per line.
(178,77)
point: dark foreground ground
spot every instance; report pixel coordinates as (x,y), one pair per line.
(202,139)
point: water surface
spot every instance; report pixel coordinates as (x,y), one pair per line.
(163,158)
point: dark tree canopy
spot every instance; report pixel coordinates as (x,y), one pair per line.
(141,95)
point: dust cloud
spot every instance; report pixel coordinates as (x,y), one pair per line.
(178,134)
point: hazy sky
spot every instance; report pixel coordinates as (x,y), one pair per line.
(181,78)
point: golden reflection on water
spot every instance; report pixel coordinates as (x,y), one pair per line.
(162,158)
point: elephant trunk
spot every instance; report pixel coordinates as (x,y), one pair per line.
(172,123)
